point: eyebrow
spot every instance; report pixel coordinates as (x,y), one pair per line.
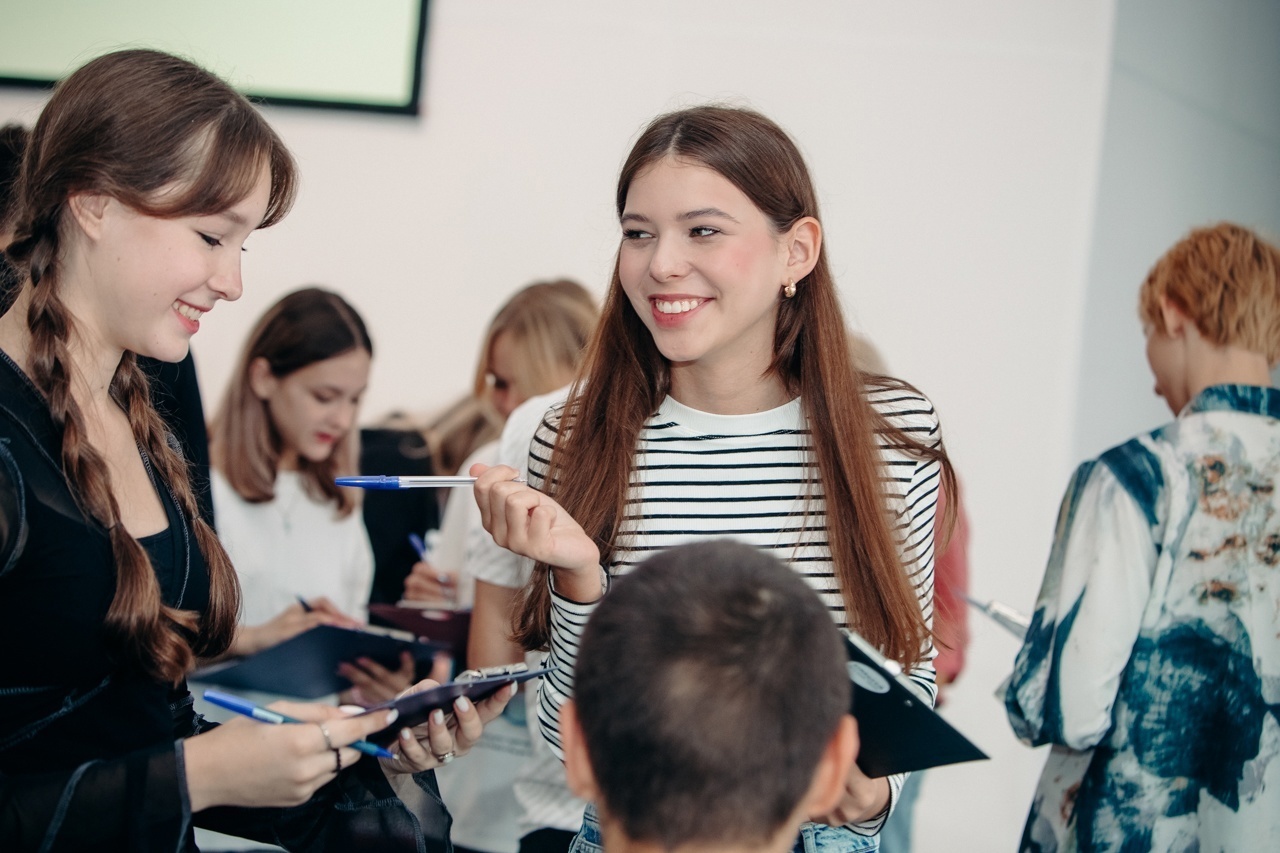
(234,217)
(684,217)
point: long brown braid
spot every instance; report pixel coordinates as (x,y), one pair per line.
(129,125)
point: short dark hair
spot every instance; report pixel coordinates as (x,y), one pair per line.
(708,685)
(13,141)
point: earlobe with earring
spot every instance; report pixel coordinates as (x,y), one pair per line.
(789,289)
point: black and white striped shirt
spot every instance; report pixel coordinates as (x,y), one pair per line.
(751,478)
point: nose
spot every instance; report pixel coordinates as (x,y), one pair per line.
(345,417)
(226,281)
(668,260)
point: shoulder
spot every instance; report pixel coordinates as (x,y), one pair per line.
(902,405)
(1137,468)
(527,422)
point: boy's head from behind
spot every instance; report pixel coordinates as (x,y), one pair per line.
(1226,280)
(712,700)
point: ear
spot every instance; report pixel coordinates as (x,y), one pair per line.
(577,764)
(827,786)
(803,244)
(262,382)
(89,211)
(1176,323)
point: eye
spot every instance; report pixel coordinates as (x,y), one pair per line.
(213,242)
(703,231)
(635,234)
(324,396)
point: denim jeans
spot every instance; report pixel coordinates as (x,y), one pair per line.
(814,838)
(895,837)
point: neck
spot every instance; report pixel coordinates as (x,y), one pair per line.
(1226,365)
(616,841)
(727,391)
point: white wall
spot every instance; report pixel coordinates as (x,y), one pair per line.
(1193,137)
(955,147)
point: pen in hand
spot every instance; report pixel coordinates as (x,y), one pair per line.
(445,579)
(265,715)
(306,608)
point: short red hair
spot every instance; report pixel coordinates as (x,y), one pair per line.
(1226,279)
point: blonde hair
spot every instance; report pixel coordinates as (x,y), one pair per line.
(548,324)
(1226,279)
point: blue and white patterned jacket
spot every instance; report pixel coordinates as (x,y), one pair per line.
(1152,664)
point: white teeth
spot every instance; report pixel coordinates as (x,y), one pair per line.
(188,311)
(677,307)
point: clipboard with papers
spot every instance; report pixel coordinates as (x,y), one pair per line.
(898,729)
(306,666)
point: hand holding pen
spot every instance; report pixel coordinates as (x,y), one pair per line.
(293,620)
(425,582)
(245,763)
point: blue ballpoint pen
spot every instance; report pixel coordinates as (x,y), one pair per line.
(416,481)
(240,706)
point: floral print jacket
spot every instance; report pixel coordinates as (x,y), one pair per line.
(1152,664)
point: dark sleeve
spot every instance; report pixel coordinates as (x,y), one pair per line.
(357,811)
(134,803)
(12,518)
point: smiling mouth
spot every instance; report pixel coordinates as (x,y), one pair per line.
(189,311)
(678,306)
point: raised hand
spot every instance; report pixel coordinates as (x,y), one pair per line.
(523,520)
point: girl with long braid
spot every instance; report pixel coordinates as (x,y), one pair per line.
(143,178)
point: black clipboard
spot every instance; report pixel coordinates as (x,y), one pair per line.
(416,707)
(306,666)
(898,729)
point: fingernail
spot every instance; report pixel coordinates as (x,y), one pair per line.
(463,705)
(437,717)
(406,735)
(393,716)
(515,688)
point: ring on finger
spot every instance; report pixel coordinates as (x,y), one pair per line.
(337,761)
(324,733)
(446,757)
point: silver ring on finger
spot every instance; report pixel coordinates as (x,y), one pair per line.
(337,761)
(324,733)
(446,757)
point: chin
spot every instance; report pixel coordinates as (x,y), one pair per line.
(172,354)
(319,453)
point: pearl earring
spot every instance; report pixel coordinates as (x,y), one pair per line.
(789,289)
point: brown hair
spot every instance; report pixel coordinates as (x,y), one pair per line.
(129,125)
(625,378)
(1226,279)
(716,624)
(302,328)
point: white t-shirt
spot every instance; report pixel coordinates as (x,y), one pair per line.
(293,546)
